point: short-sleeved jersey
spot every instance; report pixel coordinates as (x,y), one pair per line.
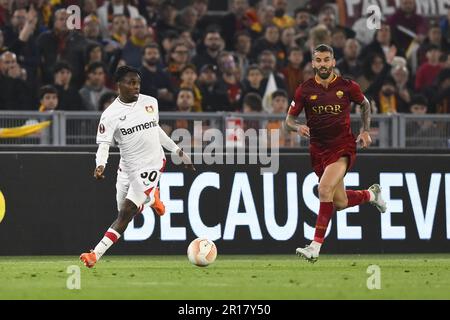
(134,126)
(327,110)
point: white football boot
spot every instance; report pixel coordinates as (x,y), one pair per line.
(378,202)
(309,253)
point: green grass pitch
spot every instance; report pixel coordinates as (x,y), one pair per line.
(230,277)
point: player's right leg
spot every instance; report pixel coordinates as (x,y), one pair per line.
(332,177)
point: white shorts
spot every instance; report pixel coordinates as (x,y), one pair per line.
(140,189)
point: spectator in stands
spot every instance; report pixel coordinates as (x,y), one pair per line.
(373,73)
(69,98)
(48,98)
(21,37)
(15,93)
(203,20)
(267,62)
(120,28)
(265,15)
(419,130)
(214,98)
(292,73)
(178,59)
(229,80)
(281,19)
(317,35)
(327,17)
(406,17)
(349,65)
(302,26)
(338,40)
(110,8)
(149,9)
(3,48)
(382,44)
(242,47)
(4,10)
(428,71)
(442,94)
(167,21)
(94,53)
(213,43)
(167,42)
(270,41)
(185,100)
(308,72)
(106,99)
(253,80)
(252,103)
(91,29)
(188,78)
(280,104)
(139,38)
(89,8)
(94,86)
(434,37)
(400,74)
(61,44)
(188,19)
(235,21)
(154,80)
(186,38)
(387,100)
(287,41)
(445,25)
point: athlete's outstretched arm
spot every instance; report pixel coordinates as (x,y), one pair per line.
(365,114)
(292,125)
(101,158)
(170,145)
(167,142)
(364,136)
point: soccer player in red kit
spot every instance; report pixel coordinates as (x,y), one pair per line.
(326,100)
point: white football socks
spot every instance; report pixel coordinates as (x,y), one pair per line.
(107,241)
(372,196)
(316,245)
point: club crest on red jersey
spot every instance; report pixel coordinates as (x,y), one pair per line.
(339,94)
(313,97)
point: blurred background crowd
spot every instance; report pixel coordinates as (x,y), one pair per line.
(248,56)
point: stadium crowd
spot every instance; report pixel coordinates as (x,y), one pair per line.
(249,59)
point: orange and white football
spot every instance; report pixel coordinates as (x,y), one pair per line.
(202,252)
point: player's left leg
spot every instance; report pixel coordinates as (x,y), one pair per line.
(349,198)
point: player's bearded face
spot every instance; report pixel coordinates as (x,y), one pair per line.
(323,72)
(323,64)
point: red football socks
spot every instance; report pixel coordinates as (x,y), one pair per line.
(325,213)
(357,197)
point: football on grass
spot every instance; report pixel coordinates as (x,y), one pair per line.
(202,252)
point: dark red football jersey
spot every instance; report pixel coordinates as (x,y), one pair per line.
(327,110)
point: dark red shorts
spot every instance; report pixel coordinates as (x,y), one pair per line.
(321,158)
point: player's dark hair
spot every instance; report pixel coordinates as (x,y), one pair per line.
(121,72)
(324,48)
